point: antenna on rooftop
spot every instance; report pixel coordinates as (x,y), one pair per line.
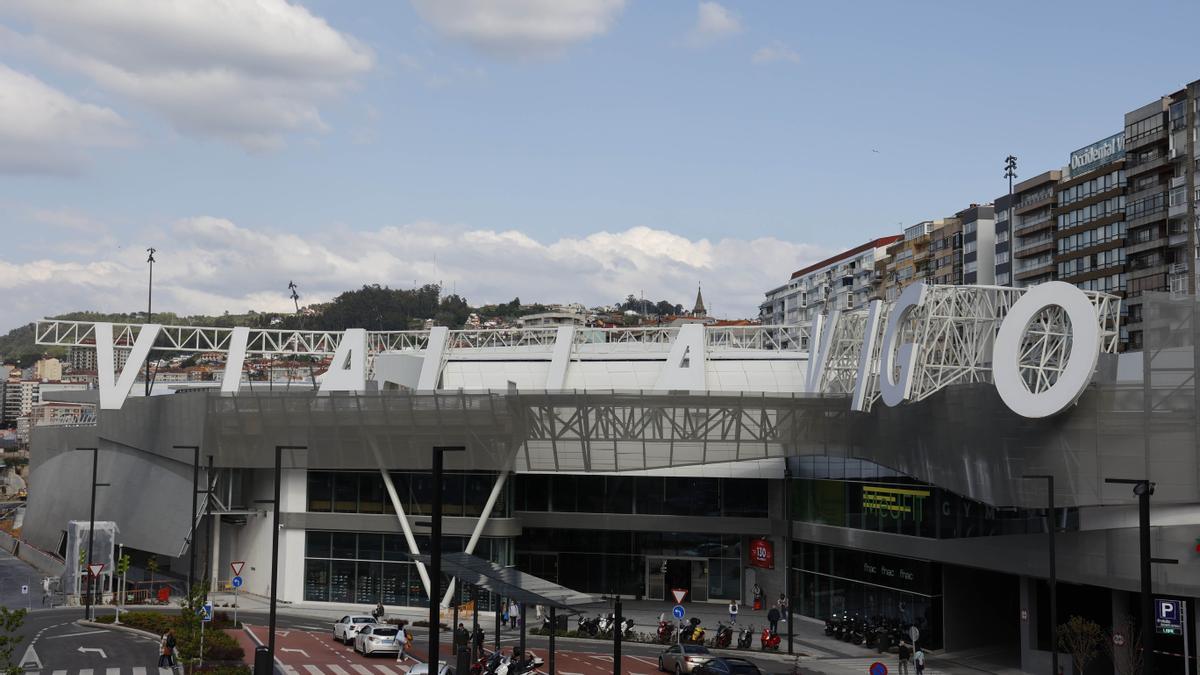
(295,295)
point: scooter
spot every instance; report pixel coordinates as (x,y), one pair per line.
(627,628)
(588,626)
(605,625)
(769,640)
(665,630)
(724,636)
(745,637)
(691,632)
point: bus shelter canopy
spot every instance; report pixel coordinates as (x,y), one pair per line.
(509,581)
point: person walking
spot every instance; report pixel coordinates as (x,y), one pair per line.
(514,614)
(733,611)
(919,660)
(782,603)
(773,619)
(477,637)
(166,650)
(404,639)
(904,653)
(47,598)
(504,617)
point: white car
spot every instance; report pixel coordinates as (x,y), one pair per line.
(423,669)
(377,638)
(346,627)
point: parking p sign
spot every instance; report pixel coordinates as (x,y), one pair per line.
(1167,617)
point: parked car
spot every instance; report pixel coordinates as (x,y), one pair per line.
(726,665)
(680,659)
(377,639)
(346,627)
(423,669)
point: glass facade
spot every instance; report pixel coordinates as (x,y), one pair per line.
(651,495)
(369,568)
(463,494)
(601,561)
(830,580)
(862,495)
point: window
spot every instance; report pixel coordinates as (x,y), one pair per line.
(1143,128)
(1001,257)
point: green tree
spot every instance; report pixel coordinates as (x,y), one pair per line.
(152,566)
(10,622)
(1081,638)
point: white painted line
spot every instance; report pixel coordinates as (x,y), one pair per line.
(112,671)
(649,662)
(139,671)
(361,670)
(314,670)
(66,635)
(563,672)
(385,670)
(290,670)
(86,671)
(337,670)
(63,672)
(161,671)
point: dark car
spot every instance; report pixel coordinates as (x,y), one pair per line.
(726,666)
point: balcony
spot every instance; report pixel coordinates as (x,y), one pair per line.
(1156,162)
(1145,139)
(1134,248)
(1144,218)
(1029,228)
(1029,249)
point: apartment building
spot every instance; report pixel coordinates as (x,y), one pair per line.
(844,281)
(945,264)
(1090,223)
(1033,212)
(1002,247)
(979,244)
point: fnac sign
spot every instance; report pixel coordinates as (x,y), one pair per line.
(762,554)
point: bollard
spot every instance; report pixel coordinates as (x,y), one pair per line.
(262,661)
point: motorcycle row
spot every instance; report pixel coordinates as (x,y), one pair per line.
(880,633)
(498,663)
(691,632)
(598,626)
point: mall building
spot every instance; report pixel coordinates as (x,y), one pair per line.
(709,459)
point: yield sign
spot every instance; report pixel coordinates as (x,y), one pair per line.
(94,569)
(680,594)
(237,566)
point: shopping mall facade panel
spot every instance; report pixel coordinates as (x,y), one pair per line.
(638,461)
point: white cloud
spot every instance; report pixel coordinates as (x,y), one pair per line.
(776,52)
(42,130)
(212,265)
(521,28)
(713,22)
(248,71)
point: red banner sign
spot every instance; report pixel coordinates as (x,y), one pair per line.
(762,554)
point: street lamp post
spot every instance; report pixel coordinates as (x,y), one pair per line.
(264,666)
(1010,172)
(87,612)
(1053,577)
(435,556)
(149,315)
(1143,489)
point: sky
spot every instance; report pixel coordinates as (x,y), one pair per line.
(552,150)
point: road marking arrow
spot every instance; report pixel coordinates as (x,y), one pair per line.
(299,651)
(31,661)
(84,650)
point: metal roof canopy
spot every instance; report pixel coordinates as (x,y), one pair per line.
(509,581)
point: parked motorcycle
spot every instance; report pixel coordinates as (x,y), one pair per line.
(769,640)
(627,629)
(691,632)
(724,636)
(666,631)
(746,637)
(588,627)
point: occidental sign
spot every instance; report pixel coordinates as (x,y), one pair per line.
(894,362)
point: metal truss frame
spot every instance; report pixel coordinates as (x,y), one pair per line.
(955,327)
(54,332)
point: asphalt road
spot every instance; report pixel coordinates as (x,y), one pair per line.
(52,641)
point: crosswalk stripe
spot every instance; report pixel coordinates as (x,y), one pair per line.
(361,670)
(387,671)
(290,670)
(337,670)
(139,671)
(161,671)
(59,672)
(86,671)
(314,670)
(112,671)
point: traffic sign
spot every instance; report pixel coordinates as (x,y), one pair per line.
(680,594)
(206,612)
(95,569)
(237,582)
(1166,617)
(1118,640)
(237,566)
(877,668)
(677,612)
(914,633)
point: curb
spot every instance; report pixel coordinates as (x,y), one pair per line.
(279,667)
(110,626)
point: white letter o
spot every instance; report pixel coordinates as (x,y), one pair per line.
(1081,363)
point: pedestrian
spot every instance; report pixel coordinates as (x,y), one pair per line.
(166,655)
(783,607)
(461,637)
(477,637)
(733,611)
(404,639)
(504,617)
(46,597)
(758,597)
(919,659)
(379,612)
(773,619)
(514,614)
(904,653)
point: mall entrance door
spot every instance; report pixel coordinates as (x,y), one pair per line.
(664,575)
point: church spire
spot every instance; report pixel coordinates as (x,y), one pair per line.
(699,310)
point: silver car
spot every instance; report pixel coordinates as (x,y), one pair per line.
(681,659)
(345,628)
(378,639)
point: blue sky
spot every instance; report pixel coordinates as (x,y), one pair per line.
(558,150)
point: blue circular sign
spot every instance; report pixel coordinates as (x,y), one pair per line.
(237,582)
(878,668)
(677,611)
